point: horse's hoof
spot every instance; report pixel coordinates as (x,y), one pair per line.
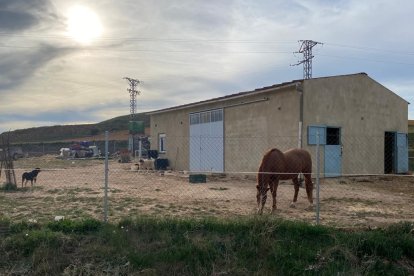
(310,207)
(292,205)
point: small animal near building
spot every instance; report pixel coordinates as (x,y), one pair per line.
(360,126)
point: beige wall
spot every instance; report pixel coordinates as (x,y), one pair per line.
(363,109)
(252,129)
(176,127)
(252,125)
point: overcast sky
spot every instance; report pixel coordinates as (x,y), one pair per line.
(52,72)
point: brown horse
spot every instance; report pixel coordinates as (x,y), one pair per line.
(277,165)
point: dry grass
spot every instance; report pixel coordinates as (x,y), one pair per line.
(74,188)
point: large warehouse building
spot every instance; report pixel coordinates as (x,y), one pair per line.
(361,127)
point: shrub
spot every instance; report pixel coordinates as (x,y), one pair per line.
(9,187)
(70,226)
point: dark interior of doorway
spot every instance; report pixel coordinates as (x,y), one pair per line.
(389,146)
(333,136)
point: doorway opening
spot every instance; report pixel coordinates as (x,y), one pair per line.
(333,136)
(389,152)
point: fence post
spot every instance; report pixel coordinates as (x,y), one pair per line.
(106,178)
(317,178)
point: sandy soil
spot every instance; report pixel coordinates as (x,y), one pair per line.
(74,189)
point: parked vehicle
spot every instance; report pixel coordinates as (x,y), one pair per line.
(81,150)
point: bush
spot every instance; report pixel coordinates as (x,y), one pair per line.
(70,226)
(9,187)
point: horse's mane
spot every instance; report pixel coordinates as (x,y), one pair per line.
(267,154)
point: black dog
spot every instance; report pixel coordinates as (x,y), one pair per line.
(30,176)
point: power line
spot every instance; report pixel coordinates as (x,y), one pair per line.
(28,35)
(150,50)
(200,40)
(367,59)
(363,48)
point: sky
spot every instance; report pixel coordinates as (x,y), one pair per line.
(64,62)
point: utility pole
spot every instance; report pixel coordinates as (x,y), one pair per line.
(306,50)
(133,92)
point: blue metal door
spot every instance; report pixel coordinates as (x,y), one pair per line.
(329,138)
(333,160)
(402,153)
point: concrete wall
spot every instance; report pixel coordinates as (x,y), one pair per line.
(251,129)
(252,125)
(363,109)
(175,125)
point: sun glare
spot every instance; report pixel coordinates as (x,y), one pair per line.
(84,25)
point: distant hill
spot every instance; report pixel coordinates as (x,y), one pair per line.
(67,132)
(410,126)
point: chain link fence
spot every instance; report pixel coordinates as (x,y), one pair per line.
(359,184)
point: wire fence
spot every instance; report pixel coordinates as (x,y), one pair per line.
(358,183)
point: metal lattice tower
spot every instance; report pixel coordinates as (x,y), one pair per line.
(6,160)
(306,50)
(133,93)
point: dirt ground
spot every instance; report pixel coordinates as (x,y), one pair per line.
(75,189)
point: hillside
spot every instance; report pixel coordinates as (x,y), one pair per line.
(118,127)
(72,132)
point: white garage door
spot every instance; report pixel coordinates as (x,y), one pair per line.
(206,141)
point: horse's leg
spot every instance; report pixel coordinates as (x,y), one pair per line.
(262,198)
(309,188)
(258,197)
(273,189)
(296,184)
(262,188)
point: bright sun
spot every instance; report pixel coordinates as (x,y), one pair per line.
(84,25)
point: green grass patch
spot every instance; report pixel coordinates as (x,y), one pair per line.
(171,246)
(8,187)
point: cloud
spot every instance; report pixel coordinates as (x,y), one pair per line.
(186,51)
(18,66)
(25,47)
(18,15)
(57,116)
(13,21)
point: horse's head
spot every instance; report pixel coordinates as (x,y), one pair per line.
(261,193)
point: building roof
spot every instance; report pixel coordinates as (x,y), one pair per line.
(227,97)
(246,93)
